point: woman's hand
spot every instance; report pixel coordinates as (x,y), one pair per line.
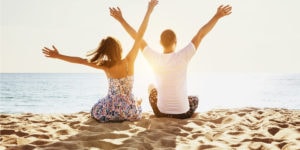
(51,53)
(116,13)
(152,4)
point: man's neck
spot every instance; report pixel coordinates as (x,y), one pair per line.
(168,50)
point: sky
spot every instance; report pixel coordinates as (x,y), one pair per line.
(259,36)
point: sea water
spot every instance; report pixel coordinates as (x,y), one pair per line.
(74,92)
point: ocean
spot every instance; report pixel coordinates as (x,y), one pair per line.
(74,92)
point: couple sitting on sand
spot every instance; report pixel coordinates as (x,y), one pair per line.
(169,98)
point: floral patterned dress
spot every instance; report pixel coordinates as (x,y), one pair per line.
(119,104)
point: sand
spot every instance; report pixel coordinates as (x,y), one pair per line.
(243,128)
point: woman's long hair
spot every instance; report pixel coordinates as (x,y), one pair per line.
(107,54)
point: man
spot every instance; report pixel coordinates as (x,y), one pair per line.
(170,98)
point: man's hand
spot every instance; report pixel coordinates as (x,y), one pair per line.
(223,11)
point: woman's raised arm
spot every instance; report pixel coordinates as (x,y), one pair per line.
(53,53)
(139,37)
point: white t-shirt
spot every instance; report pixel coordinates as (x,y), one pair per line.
(170,71)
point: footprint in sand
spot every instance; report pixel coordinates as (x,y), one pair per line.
(206,146)
(40,136)
(62,132)
(273,130)
(9,132)
(40,142)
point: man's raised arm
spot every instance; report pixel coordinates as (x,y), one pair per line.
(221,12)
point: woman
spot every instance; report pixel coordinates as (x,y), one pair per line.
(119,104)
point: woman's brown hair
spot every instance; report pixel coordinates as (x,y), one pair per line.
(107,54)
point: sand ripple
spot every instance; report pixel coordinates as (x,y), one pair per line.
(245,128)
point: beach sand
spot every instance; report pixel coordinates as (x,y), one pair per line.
(243,128)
